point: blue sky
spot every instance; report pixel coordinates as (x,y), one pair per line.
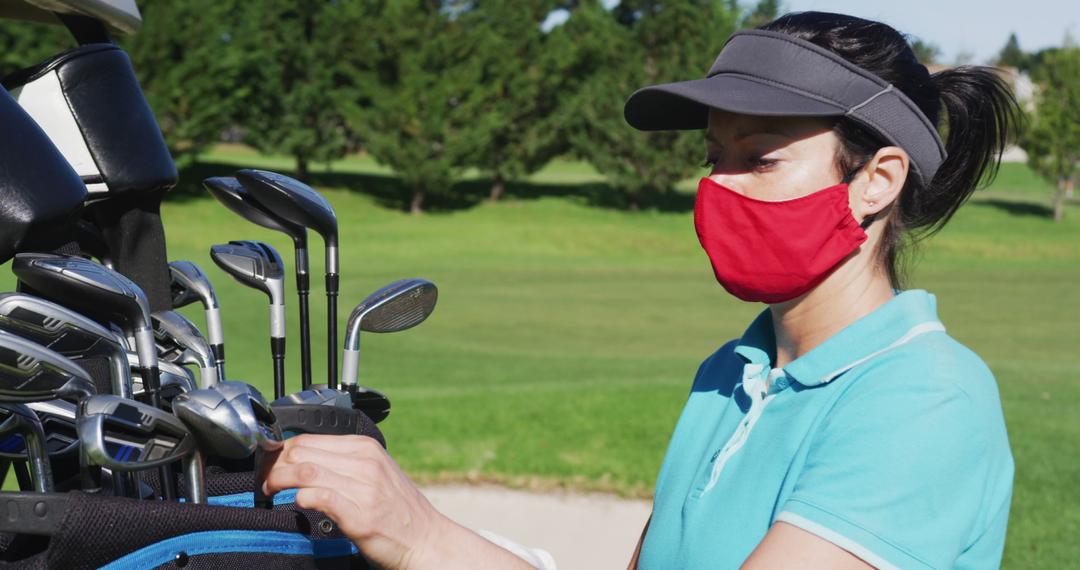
(975,28)
(979,28)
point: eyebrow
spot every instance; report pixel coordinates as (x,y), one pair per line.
(740,135)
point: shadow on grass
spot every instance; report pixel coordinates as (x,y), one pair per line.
(1018,208)
(389,192)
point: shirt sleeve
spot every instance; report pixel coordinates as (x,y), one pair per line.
(895,474)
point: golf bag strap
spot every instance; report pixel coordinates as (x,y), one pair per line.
(131,228)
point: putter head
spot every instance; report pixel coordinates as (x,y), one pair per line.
(127,435)
(255,411)
(178,339)
(30,372)
(293,201)
(232,194)
(254,264)
(189,284)
(218,428)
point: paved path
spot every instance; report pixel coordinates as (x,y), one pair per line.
(582,531)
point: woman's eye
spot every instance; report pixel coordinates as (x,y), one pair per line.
(762,163)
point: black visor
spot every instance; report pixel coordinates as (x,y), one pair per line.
(773,74)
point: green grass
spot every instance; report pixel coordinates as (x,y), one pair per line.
(567,333)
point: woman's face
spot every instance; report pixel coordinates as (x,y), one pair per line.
(771,158)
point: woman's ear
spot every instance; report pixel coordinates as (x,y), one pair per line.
(878,184)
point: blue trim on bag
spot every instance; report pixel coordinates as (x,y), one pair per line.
(233,541)
(286,497)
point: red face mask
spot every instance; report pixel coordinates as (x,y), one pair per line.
(774,251)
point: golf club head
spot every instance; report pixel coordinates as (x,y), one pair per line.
(232,194)
(21,432)
(175,380)
(293,201)
(30,372)
(255,411)
(93,289)
(188,283)
(218,428)
(178,335)
(258,266)
(315,396)
(66,332)
(372,402)
(398,306)
(127,435)
(58,421)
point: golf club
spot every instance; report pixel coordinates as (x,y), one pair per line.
(185,344)
(232,194)
(298,203)
(398,306)
(257,413)
(127,435)
(190,284)
(259,266)
(218,428)
(67,332)
(108,296)
(26,435)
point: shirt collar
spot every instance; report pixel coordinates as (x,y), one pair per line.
(910,312)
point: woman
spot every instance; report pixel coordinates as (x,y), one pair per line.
(845,429)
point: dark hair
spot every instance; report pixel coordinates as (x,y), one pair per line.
(980,115)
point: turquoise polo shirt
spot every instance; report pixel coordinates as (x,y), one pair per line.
(887,440)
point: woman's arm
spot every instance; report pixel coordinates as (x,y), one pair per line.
(355,482)
(788,546)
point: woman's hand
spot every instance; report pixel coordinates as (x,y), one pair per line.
(355,482)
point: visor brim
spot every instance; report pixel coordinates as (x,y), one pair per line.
(685,105)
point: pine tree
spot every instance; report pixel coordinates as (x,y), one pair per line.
(640,43)
(1011,55)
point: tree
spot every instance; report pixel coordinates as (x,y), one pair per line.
(508,112)
(1011,55)
(23,44)
(926,52)
(640,43)
(405,63)
(763,12)
(297,99)
(194,76)
(1052,139)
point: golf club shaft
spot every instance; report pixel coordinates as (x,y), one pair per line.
(277,352)
(152,386)
(331,326)
(195,470)
(215,337)
(264,459)
(303,287)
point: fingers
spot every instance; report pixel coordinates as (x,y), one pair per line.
(352,466)
(343,444)
(286,475)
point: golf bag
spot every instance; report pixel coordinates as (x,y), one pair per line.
(83,168)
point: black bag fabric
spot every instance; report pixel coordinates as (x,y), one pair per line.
(40,195)
(98,531)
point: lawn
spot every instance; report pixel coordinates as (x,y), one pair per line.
(567,332)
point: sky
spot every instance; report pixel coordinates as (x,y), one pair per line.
(975,29)
(978,28)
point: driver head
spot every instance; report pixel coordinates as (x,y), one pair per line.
(292,200)
(235,197)
(255,411)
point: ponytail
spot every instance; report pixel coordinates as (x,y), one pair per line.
(980,118)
